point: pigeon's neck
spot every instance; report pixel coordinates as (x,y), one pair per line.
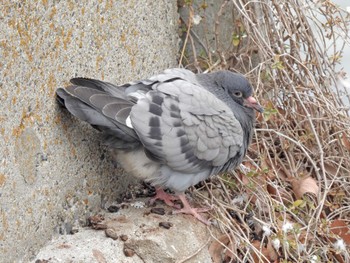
(247,119)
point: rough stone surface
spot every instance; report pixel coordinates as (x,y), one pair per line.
(205,16)
(145,241)
(209,38)
(53,173)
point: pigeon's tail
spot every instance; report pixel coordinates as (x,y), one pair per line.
(104,106)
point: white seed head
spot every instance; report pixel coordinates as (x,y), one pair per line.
(339,245)
(196,19)
(314,259)
(239,199)
(267,230)
(287,227)
(301,248)
(276,244)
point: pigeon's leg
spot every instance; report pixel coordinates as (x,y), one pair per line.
(187,209)
(167,198)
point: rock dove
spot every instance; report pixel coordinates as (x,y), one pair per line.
(173,129)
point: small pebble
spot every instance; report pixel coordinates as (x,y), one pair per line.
(123,237)
(110,232)
(158,210)
(165,225)
(113,209)
(146,213)
(74,231)
(93,220)
(128,252)
(124,206)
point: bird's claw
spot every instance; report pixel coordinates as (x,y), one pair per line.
(166,198)
(195,213)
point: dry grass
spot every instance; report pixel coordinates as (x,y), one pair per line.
(294,203)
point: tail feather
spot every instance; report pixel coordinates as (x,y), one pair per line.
(83,93)
(100,100)
(82,110)
(106,109)
(116,91)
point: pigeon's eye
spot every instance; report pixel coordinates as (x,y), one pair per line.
(238,94)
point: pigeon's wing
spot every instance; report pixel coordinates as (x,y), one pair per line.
(107,106)
(186,127)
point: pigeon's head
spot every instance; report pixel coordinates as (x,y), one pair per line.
(238,88)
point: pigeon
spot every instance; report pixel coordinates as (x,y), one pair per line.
(174,129)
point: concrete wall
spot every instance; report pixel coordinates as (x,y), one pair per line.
(53,173)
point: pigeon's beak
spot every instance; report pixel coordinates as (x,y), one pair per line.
(252,103)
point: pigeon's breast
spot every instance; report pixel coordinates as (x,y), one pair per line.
(137,164)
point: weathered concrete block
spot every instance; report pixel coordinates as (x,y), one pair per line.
(53,173)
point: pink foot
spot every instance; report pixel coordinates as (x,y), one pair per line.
(167,198)
(187,209)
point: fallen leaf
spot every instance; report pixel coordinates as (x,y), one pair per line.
(305,185)
(244,179)
(299,203)
(267,253)
(279,171)
(221,250)
(339,227)
(98,255)
(331,169)
(345,141)
(279,193)
(339,257)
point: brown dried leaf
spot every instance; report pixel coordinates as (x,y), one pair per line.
(269,253)
(279,193)
(220,250)
(304,185)
(244,179)
(345,141)
(340,228)
(331,169)
(281,173)
(339,257)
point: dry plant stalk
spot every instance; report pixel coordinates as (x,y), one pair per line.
(299,179)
